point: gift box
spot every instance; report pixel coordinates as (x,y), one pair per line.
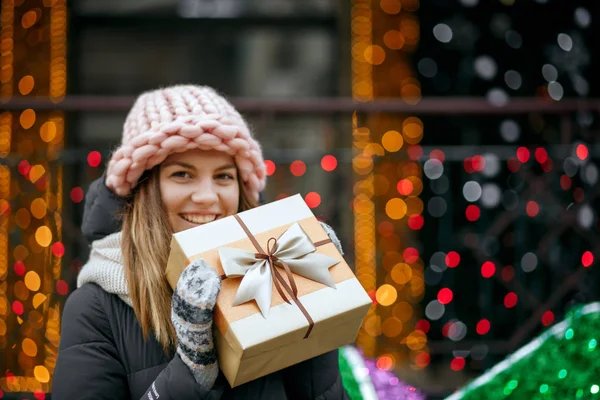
(287,294)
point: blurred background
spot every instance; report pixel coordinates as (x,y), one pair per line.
(452,144)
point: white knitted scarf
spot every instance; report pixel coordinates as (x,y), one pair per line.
(105,267)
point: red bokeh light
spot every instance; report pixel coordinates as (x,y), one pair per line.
(472,213)
(446,328)
(565,182)
(4,208)
(510,300)
(39,395)
(270,167)
(488,269)
(24,167)
(523,154)
(372,294)
(329,163)
(532,208)
(62,288)
(77,194)
(438,155)
(547,166)
(478,163)
(513,165)
(587,259)
(582,151)
(298,168)
(422,359)
(385,363)
(19,268)
(483,327)
(17,307)
(414,152)
(468,164)
(457,363)
(58,249)
(404,187)
(416,222)
(385,228)
(445,296)
(423,325)
(547,318)
(452,259)
(410,255)
(312,199)
(94,158)
(541,155)
(508,273)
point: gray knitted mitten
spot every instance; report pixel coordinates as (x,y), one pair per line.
(192,316)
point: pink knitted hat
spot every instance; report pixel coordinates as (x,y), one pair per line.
(180,118)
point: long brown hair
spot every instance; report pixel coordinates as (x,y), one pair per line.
(146,244)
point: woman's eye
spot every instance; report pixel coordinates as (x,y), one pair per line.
(225,176)
(180,174)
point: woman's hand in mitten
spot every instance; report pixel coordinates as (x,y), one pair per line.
(192,316)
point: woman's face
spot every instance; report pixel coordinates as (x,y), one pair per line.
(197,187)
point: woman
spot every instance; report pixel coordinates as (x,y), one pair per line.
(186,158)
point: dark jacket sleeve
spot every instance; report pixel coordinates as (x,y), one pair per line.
(317,378)
(177,382)
(88,365)
(102,211)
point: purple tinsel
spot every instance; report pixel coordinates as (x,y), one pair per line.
(389,387)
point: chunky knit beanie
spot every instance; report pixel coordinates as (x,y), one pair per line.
(180,118)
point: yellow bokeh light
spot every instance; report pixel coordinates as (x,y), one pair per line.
(36,172)
(417,185)
(374,149)
(395,208)
(41,374)
(43,235)
(416,340)
(411,94)
(409,26)
(22,218)
(26,84)
(373,325)
(48,131)
(394,39)
(392,141)
(27,118)
(362,164)
(375,54)
(403,311)
(38,208)
(391,327)
(386,295)
(401,273)
(33,281)
(391,6)
(29,347)
(30,18)
(2,327)
(38,299)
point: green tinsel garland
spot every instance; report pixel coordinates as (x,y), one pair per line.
(348,379)
(562,363)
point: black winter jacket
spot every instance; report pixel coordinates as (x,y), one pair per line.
(103,354)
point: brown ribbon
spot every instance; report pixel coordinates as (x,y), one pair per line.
(279,281)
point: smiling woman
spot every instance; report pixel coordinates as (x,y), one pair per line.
(187,158)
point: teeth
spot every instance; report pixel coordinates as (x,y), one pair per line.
(199,219)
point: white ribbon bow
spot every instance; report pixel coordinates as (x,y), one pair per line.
(293,249)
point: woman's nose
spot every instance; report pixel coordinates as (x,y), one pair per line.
(204,193)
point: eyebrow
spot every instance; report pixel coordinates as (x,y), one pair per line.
(189,166)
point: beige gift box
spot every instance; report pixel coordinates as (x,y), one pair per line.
(249,345)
